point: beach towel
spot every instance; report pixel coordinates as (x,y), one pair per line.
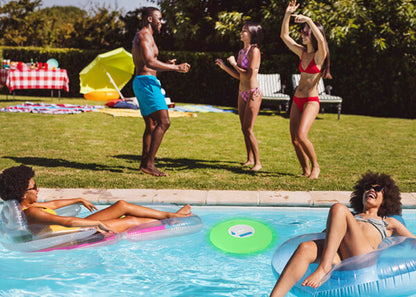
(199,108)
(121,112)
(49,108)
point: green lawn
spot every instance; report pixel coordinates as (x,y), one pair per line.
(94,150)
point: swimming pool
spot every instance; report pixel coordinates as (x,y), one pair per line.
(181,266)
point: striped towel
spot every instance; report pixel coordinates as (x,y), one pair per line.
(46,108)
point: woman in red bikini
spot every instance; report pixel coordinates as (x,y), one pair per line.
(314,64)
(245,69)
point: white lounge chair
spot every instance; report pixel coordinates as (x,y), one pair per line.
(325,96)
(273,91)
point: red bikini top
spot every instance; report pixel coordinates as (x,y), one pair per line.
(311,68)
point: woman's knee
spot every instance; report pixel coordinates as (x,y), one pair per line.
(121,204)
(247,130)
(296,142)
(339,208)
(302,137)
(308,250)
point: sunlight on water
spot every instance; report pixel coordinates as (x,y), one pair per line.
(182,266)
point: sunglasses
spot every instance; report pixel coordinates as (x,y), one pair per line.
(35,187)
(304,32)
(375,188)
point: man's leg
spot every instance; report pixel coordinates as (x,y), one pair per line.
(161,119)
(147,139)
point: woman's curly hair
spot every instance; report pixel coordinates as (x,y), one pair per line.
(391,194)
(14,182)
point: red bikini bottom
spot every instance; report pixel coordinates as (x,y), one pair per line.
(300,102)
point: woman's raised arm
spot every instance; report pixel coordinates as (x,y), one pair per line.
(321,53)
(284,33)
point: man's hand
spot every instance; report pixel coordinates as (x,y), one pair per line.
(183,68)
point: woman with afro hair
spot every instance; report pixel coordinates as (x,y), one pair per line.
(375,198)
(18,183)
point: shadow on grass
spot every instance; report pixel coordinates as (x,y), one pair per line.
(189,164)
(49,162)
(266,112)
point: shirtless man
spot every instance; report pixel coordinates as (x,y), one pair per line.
(147,87)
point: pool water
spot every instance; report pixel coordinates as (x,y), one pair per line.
(181,266)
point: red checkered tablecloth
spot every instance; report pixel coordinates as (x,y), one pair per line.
(35,79)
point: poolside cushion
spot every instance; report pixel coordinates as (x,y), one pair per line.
(125,104)
(111,103)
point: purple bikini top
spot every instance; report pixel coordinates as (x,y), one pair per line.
(244,60)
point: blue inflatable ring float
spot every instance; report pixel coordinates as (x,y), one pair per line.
(388,271)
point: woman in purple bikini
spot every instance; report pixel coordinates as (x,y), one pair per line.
(245,69)
(314,64)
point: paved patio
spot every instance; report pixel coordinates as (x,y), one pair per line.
(211,197)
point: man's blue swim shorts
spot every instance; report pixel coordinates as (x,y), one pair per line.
(148,92)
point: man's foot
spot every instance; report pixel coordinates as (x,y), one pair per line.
(315,173)
(153,171)
(256,167)
(314,280)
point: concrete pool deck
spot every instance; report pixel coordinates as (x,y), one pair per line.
(211,197)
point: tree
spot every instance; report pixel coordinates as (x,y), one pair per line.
(102,29)
(60,25)
(16,18)
(204,25)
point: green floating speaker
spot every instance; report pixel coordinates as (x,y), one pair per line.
(241,236)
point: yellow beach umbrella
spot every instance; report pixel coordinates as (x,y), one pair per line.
(107,72)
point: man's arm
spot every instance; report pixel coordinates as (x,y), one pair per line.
(146,43)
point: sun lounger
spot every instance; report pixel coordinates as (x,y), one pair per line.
(273,91)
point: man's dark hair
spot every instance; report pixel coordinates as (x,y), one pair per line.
(146,12)
(14,182)
(391,194)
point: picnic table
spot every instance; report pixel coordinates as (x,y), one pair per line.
(35,79)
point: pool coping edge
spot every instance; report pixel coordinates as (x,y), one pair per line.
(210,197)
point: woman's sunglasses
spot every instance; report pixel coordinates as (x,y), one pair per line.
(375,188)
(304,32)
(35,187)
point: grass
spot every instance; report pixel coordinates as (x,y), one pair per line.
(94,150)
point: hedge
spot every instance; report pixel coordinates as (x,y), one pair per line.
(376,84)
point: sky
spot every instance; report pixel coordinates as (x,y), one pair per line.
(125,5)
